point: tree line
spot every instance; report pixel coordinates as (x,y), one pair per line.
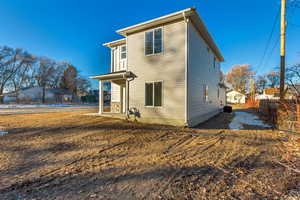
(239,77)
(20,69)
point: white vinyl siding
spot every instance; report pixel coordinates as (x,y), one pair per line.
(119,58)
(168,67)
(203,79)
(153,41)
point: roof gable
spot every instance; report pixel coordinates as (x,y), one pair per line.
(173,17)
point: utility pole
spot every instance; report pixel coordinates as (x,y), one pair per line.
(282,47)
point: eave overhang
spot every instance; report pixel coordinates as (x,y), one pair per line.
(177,16)
(114,76)
(115,43)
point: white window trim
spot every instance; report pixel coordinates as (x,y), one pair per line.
(162,94)
(162,41)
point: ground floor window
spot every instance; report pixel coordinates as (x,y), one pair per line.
(153,93)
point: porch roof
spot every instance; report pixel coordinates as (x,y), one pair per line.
(114,75)
(115,43)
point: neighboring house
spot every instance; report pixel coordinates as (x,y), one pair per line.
(269,93)
(34,94)
(166,70)
(235,97)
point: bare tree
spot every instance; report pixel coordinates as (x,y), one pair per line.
(261,83)
(238,77)
(273,79)
(19,69)
(45,74)
(83,86)
(23,77)
(69,79)
(12,62)
(293,78)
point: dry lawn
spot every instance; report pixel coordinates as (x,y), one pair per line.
(72,156)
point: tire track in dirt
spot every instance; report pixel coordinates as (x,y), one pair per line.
(177,143)
(41,180)
(184,156)
(105,162)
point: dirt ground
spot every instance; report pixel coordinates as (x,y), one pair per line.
(72,156)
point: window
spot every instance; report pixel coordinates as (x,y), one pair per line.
(123,52)
(153,41)
(205,93)
(214,63)
(153,94)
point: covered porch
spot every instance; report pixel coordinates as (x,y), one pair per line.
(118,100)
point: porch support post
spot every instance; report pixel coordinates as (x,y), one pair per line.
(121,99)
(101,97)
(127,99)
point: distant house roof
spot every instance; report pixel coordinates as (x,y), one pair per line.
(271,91)
(231,91)
(59,91)
(52,90)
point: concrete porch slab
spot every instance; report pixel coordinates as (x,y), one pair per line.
(111,115)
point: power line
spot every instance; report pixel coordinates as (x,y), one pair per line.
(272,51)
(294,25)
(269,40)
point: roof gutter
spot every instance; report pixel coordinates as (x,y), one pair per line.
(179,13)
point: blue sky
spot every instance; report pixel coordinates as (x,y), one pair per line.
(73,30)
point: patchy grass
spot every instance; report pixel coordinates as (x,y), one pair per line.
(72,156)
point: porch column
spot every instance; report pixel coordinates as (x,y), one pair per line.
(121,99)
(101,97)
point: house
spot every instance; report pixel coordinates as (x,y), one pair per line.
(166,70)
(269,93)
(235,97)
(34,94)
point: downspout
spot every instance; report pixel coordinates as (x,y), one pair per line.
(127,82)
(127,96)
(186,20)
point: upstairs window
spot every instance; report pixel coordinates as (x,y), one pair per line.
(153,41)
(153,94)
(205,93)
(123,52)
